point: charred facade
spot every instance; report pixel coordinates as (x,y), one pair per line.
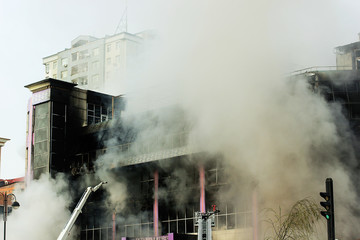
(80,133)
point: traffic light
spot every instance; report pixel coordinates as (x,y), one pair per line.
(326,205)
(329,207)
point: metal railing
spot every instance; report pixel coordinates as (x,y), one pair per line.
(320,68)
(144,151)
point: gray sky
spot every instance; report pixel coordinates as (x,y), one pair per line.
(31,30)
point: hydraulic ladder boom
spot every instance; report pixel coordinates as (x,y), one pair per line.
(66,231)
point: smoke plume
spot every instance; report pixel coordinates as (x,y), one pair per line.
(43,212)
(224,64)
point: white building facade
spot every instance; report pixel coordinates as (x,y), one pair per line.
(95,63)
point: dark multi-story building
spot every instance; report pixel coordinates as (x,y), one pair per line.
(160,182)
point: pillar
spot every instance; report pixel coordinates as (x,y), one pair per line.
(114,225)
(156,206)
(255,222)
(202,188)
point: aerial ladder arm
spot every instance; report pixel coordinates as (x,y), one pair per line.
(66,231)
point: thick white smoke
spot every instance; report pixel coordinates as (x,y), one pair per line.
(225,61)
(43,210)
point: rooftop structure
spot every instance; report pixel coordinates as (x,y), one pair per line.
(348,55)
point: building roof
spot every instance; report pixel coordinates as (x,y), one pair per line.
(47,83)
(3,141)
(82,39)
(348,47)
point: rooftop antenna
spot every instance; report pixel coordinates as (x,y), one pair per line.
(122,26)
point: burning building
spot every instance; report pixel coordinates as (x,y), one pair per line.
(156,180)
(158,175)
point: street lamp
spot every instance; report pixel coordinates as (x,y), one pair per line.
(15,205)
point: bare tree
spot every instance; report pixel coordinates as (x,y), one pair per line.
(298,224)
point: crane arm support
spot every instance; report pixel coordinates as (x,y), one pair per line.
(66,231)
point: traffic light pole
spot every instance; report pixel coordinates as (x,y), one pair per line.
(329,214)
(331,222)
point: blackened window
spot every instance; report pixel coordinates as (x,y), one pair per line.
(98,113)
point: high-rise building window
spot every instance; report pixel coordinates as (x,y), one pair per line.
(74,56)
(117,60)
(107,75)
(64,74)
(81,68)
(47,68)
(54,64)
(108,61)
(95,78)
(95,65)
(108,47)
(95,52)
(118,44)
(74,70)
(83,80)
(64,62)
(83,54)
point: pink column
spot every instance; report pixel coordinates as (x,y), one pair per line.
(255,215)
(156,207)
(114,226)
(202,188)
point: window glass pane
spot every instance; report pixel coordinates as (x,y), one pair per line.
(231,221)
(137,230)
(64,62)
(39,171)
(129,231)
(189,226)
(221,222)
(40,160)
(74,56)
(164,228)
(104,234)
(145,230)
(181,226)
(83,235)
(96,234)
(173,226)
(240,220)
(95,51)
(97,110)
(63,74)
